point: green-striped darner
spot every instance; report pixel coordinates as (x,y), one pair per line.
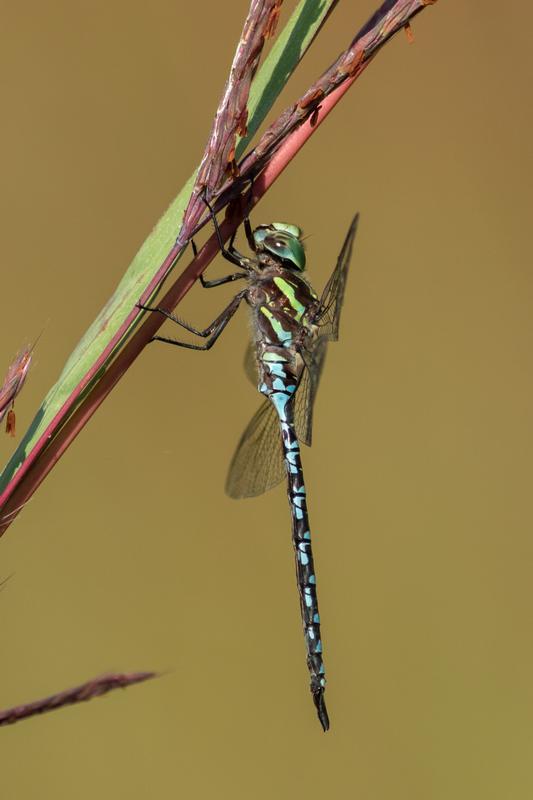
(291,329)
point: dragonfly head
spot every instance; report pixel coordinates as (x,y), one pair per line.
(283,241)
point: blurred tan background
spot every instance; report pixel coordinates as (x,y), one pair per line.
(131,557)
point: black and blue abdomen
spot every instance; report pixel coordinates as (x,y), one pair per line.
(282,331)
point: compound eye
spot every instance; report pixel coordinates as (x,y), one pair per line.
(288,248)
(278,246)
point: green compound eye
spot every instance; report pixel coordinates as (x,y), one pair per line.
(286,227)
(282,240)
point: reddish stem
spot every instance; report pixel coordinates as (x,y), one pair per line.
(153,322)
(78,694)
(40,461)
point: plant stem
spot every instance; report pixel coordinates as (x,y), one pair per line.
(276,149)
(78,694)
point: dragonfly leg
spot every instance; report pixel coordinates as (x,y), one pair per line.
(230,245)
(212,332)
(172,317)
(230,254)
(247,227)
(219,281)
(249,234)
(234,252)
(227,278)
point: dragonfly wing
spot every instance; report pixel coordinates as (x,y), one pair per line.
(257,464)
(307,389)
(327,316)
(303,408)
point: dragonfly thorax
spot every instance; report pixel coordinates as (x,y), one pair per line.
(282,241)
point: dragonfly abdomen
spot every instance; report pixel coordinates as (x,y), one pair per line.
(279,385)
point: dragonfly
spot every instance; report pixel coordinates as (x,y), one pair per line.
(291,329)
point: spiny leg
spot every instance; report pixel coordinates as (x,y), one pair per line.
(213,330)
(210,284)
(177,320)
(249,234)
(230,244)
(236,276)
(247,227)
(230,254)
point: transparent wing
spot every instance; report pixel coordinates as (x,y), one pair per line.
(257,464)
(306,393)
(327,316)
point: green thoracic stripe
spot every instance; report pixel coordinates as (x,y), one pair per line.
(277,327)
(288,290)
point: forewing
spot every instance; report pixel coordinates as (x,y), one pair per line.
(257,464)
(328,315)
(307,390)
(303,408)
(266,418)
